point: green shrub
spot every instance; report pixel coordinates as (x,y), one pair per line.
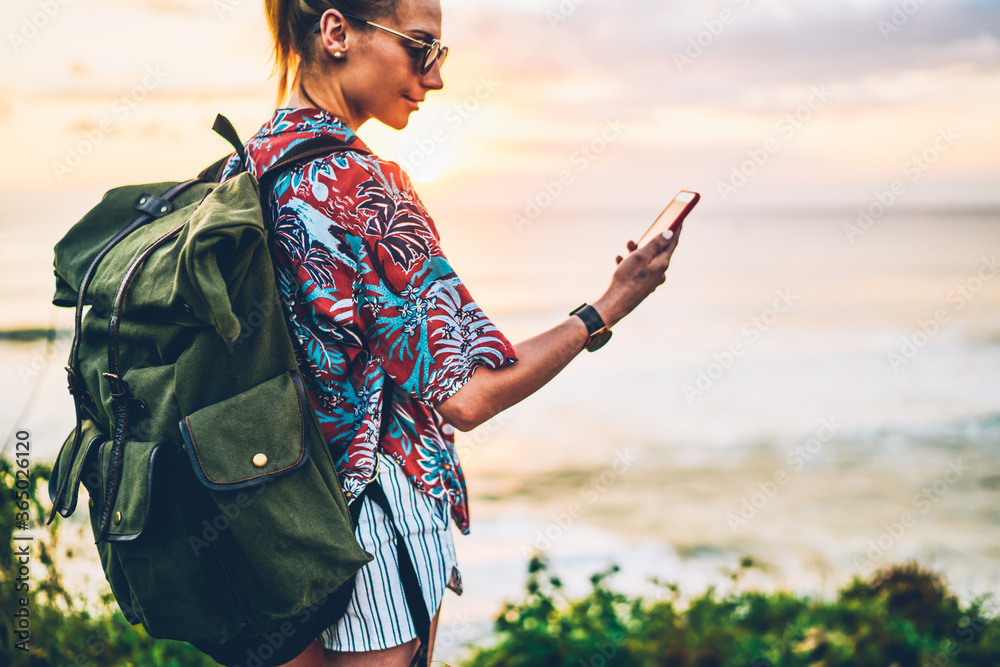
(904,616)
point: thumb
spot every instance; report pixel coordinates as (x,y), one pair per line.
(660,243)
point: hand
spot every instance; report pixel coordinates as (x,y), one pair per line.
(637,276)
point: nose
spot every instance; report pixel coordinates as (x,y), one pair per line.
(432,80)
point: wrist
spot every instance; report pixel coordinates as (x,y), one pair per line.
(598,333)
(608,309)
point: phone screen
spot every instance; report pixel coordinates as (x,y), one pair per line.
(672,215)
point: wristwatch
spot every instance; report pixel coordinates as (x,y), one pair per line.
(599,333)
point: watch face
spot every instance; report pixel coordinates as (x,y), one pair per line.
(598,340)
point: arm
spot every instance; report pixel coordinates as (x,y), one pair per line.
(540,358)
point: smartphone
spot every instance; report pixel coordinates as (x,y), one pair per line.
(672,215)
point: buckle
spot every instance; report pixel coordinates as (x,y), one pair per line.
(119,388)
(153,205)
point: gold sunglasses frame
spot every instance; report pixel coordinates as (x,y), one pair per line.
(433,52)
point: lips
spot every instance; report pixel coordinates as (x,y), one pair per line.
(414,103)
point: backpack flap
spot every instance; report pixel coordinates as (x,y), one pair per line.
(215,252)
(132,503)
(256,437)
(73,464)
(85,241)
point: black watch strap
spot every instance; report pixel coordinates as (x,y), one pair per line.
(590,317)
(597,331)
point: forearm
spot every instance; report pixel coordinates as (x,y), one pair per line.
(489,392)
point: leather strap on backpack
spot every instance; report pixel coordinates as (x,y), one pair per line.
(123,404)
(76,389)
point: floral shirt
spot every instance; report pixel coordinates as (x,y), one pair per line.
(369,295)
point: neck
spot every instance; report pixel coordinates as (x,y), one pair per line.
(310,91)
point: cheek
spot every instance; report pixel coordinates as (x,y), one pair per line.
(390,87)
(396,68)
(372,87)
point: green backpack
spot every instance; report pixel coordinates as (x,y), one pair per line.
(215,503)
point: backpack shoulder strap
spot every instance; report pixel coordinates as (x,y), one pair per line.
(407,570)
(224,128)
(307,151)
(310,149)
(407,574)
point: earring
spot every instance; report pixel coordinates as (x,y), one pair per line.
(338,54)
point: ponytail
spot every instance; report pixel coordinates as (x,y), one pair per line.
(285,59)
(291,22)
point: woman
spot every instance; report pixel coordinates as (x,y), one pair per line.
(374,307)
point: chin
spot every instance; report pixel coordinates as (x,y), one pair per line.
(396,121)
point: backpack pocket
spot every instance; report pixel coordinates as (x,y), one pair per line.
(281,525)
(72,467)
(159,573)
(132,504)
(253,438)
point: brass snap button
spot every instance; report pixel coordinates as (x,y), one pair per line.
(260,460)
(118,518)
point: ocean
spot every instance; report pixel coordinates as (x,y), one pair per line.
(822,401)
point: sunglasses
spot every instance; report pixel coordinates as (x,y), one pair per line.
(430,54)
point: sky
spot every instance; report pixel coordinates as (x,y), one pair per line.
(564,126)
(754,103)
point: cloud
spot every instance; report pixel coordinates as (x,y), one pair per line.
(724,50)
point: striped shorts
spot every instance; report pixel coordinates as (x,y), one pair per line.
(377,616)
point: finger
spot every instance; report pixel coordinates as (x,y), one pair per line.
(618,259)
(659,243)
(632,246)
(662,260)
(663,257)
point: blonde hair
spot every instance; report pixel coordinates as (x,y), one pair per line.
(291,23)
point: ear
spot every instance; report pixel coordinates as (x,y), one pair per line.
(333,32)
